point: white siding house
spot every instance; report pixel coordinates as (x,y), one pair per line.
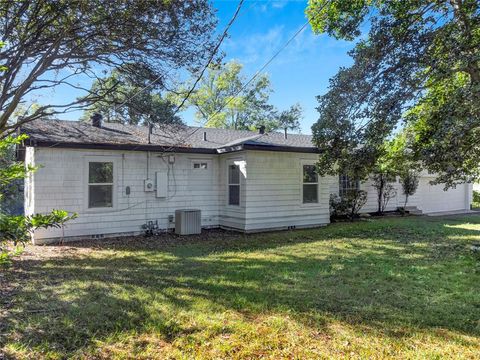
(238,179)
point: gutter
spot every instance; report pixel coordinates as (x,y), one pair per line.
(108,146)
(280,148)
(176,149)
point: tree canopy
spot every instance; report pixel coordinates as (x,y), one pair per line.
(53,43)
(226,99)
(419,67)
(131,102)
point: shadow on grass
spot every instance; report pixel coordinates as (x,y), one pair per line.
(386,275)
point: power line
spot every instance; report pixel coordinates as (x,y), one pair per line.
(273,57)
(224,35)
(263,67)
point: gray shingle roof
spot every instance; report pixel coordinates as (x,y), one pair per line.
(76,133)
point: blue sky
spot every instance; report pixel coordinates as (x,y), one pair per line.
(302,70)
(298,74)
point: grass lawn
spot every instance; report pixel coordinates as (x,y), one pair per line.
(386,288)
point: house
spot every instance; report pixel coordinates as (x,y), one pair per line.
(119,177)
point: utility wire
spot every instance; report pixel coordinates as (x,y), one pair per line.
(149,85)
(263,67)
(269,61)
(224,35)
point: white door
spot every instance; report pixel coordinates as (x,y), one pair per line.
(433,198)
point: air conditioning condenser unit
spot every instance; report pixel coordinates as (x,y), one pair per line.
(188,221)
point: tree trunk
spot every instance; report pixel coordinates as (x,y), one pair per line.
(380,194)
(405,205)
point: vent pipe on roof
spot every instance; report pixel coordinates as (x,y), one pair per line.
(204,136)
(286,133)
(261,129)
(96,119)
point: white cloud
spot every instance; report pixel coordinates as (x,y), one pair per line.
(279,4)
(255,47)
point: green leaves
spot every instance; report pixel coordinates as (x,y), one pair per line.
(225,99)
(340,19)
(348,205)
(417,69)
(52,44)
(131,100)
(446,127)
(17,229)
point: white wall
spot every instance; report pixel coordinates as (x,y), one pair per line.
(428,198)
(232,216)
(61,183)
(270,191)
(274,192)
(395,202)
(29,204)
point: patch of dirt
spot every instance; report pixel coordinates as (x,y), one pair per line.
(140,242)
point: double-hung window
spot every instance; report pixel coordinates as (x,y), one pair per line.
(234,185)
(100,184)
(310,184)
(347,184)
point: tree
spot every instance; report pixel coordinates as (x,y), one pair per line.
(401,159)
(420,64)
(409,180)
(290,119)
(129,102)
(53,43)
(225,99)
(385,190)
(47,44)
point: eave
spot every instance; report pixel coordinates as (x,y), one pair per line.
(170,149)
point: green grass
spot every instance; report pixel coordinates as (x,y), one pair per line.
(387,288)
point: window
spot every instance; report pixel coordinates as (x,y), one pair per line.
(233,185)
(347,184)
(310,184)
(100,184)
(200,165)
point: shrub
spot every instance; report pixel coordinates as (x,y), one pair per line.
(348,205)
(476,196)
(476,199)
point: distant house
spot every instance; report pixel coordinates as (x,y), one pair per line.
(118,178)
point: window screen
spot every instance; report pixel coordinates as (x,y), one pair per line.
(100,184)
(310,184)
(233,185)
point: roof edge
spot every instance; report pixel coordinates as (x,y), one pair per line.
(129,147)
(176,149)
(279,148)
